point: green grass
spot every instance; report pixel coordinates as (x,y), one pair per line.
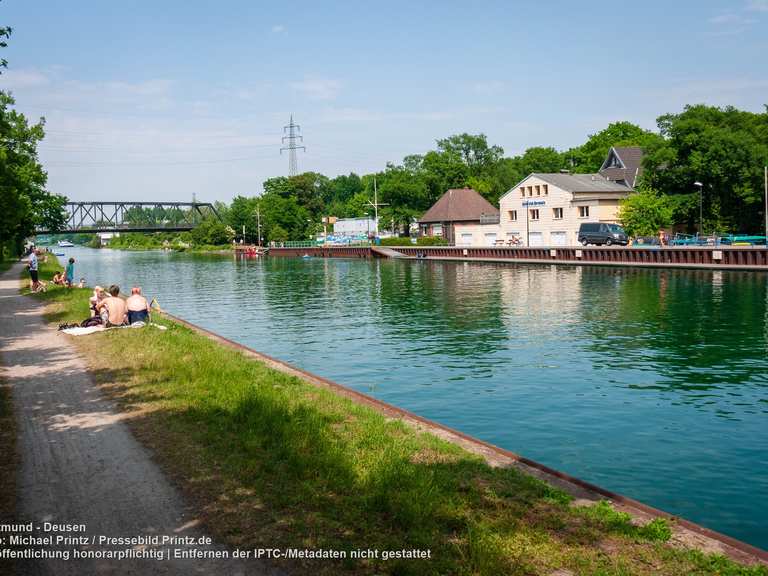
(270,460)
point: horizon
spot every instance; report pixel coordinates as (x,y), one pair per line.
(154,101)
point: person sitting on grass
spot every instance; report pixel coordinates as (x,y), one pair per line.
(138,307)
(114,306)
(98,296)
(58,278)
(81,284)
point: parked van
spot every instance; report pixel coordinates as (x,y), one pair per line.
(601,233)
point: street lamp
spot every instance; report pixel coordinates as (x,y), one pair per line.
(701,204)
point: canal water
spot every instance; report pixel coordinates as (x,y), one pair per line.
(651,383)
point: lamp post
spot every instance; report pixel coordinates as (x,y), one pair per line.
(701,206)
(258,224)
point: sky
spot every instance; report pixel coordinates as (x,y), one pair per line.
(149,100)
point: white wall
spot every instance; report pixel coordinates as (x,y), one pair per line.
(548,230)
(354,226)
(476,234)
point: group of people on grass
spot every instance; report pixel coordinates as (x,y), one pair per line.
(64,277)
(107,307)
(110,309)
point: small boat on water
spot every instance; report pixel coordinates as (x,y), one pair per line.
(65,244)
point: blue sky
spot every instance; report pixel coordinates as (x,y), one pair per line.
(159,100)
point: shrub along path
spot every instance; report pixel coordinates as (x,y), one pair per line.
(79,461)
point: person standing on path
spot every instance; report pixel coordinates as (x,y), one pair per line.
(33,270)
(69,276)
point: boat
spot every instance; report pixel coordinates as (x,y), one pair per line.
(65,244)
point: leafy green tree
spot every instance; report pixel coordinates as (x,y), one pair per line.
(242,214)
(212,232)
(25,202)
(645,212)
(285,213)
(473,150)
(723,148)
(589,157)
(342,188)
(278,234)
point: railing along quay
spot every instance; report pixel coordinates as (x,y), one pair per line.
(742,257)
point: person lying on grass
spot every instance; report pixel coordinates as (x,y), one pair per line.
(116,310)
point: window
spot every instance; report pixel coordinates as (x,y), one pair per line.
(538,190)
(513,215)
(557,213)
(583,211)
(530,190)
(534,213)
(522,191)
(545,187)
(437,229)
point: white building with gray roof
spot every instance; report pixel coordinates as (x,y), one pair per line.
(546,209)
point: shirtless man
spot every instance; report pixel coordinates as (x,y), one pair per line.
(138,307)
(115,307)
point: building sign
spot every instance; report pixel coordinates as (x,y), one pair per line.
(534,203)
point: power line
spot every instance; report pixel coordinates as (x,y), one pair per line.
(293,138)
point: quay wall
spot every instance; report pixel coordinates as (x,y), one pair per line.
(716,257)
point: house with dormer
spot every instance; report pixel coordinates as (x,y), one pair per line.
(547,209)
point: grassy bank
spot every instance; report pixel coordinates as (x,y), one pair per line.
(272,461)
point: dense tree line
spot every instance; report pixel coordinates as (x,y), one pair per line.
(24,200)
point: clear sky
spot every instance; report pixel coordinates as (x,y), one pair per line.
(159,100)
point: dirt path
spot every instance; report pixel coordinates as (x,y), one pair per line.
(79,462)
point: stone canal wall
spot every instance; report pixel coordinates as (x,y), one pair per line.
(720,257)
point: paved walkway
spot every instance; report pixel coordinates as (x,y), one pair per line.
(79,462)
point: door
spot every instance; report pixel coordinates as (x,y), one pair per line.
(490,239)
(535,239)
(465,239)
(557,238)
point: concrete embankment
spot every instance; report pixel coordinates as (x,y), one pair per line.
(720,257)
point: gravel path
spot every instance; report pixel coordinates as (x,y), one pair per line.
(79,462)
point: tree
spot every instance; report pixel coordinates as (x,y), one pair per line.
(473,150)
(723,148)
(242,214)
(646,212)
(283,215)
(589,157)
(212,232)
(26,204)
(278,234)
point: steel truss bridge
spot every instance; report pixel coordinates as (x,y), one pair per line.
(90,217)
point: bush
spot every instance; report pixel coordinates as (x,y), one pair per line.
(432,241)
(645,212)
(397,241)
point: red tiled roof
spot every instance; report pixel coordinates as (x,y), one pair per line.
(459,205)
